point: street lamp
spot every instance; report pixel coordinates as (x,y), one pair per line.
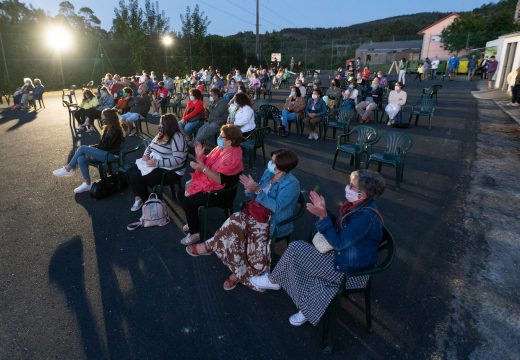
(167,41)
(58,39)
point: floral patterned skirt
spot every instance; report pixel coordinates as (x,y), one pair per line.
(242,244)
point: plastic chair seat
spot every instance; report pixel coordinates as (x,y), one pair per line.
(350,148)
(386,158)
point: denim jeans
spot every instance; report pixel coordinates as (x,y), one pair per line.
(130,116)
(188,127)
(86,153)
(287,116)
(228,97)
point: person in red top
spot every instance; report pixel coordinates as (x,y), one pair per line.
(366,73)
(194,114)
(122,104)
(160,98)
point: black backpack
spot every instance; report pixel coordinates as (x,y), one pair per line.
(107,186)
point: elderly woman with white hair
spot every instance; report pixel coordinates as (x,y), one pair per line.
(312,278)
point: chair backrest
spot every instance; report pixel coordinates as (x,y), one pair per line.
(427,104)
(365,134)
(396,142)
(346,115)
(259,134)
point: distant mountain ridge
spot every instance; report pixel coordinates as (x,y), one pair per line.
(396,27)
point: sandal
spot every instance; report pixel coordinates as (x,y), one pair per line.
(190,239)
(230,283)
(192,250)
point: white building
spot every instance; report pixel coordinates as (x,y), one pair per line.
(507,55)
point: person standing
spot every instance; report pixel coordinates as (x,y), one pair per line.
(435,66)
(453,64)
(426,68)
(491,69)
(513,80)
(403,64)
(472,67)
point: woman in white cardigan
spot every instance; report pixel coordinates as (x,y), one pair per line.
(243,114)
(396,100)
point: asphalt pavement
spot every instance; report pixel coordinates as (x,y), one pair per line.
(75,284)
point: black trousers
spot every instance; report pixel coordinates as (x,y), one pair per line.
(191,204)
(79,115)
(139,183)
(92,113)
(516,94)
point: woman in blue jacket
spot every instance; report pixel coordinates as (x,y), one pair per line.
(242,242)
(311,278)
(314,112)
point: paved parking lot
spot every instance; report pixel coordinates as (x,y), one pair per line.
(74,283)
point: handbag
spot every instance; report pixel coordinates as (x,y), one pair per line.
(107,186)
(257,211)
(321,244)
(154,214)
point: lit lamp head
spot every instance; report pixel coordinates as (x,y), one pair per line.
(58,38)
(167,40)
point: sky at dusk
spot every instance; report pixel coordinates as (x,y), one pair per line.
(231,16)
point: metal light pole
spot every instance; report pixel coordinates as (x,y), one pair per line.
(5,62)
(258,32)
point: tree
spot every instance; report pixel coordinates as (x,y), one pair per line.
(194,28)
(474,29)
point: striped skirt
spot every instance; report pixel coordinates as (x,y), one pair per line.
(309,278)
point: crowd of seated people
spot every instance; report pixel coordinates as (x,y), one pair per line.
(309,277)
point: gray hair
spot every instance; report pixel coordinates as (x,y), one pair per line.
(369,182)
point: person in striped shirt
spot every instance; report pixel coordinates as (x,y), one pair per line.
(168,150)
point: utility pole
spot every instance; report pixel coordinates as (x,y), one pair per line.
(5,62)
(467,42)
(258,32)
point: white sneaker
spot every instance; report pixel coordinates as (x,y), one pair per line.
(297,319)
(316,136)
(155,114)
(137,205)
(63,172)
(311,136)
(82,188)
(81,127)
(263,282)
(133,132)
(389,123)
(190,239)
(186,229)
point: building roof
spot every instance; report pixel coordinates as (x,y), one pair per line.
(421,32)
(391,45)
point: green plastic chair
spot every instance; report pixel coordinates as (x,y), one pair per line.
(301,205)
(270,112)
(105,167)
(396,146)
(339,120)
(223,199)
(159,188)
(359,282)
(255,141)
(365,137)
(424,107)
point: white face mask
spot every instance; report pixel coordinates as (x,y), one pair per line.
(314,96)
(211,99)
(239,91)
(351,195)
(192,98)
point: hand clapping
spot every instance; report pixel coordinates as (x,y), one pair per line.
(199,150)
(249,183)
(317,205)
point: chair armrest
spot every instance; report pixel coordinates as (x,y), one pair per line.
(216,192)
(339,141)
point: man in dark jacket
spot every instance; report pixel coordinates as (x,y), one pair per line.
(139,106)
(218,114)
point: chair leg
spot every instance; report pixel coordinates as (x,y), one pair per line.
(379,166)
(329,324)
(416,119)
(263,153)
(335,157)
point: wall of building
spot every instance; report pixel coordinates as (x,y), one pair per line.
(432,41)
(387,57)
(506,61)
